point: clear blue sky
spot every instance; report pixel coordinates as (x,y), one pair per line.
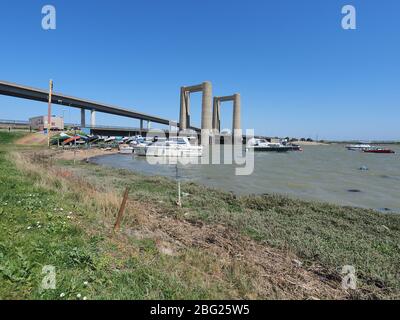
(299,73)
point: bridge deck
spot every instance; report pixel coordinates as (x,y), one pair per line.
(24,92)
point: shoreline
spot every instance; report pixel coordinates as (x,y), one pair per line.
(383,209)
(82,154)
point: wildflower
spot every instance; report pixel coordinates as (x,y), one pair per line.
(29,228)
(62,295)
(78,295)
(84,298)
(85,283)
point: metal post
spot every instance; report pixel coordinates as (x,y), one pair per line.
(49,112)
(75,147)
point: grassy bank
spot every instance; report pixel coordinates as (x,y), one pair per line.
(216,246)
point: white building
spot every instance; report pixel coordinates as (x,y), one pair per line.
(40,123)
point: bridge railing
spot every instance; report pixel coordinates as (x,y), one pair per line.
(14,122)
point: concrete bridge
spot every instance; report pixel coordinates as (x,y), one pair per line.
(24,92)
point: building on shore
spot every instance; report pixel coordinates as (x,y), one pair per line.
(40,123)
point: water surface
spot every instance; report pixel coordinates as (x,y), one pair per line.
(323,173)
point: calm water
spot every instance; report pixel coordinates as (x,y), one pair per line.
(323,173)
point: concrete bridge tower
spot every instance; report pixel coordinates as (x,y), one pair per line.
(236,121)
(206,106)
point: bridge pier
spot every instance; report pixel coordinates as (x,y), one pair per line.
(206,109)
(93,118)
(236,121)
(83,118)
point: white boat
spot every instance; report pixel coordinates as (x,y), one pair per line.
(358,147)
(264,145)
(110,139)
(174,147)
(125,149)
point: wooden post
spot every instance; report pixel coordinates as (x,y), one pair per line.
(179,203)
(49,112)
(121,211)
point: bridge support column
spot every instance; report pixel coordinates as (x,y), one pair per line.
(236,123)
(236,113)
(93,118)
(217,115)
(206,109)
(83,118)
(237,134)
(148,125)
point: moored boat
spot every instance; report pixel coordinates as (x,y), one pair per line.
(125,149)
(358,147)
(263,145)
(378,150)
(175,147)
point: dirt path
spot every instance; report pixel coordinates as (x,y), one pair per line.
(33,139)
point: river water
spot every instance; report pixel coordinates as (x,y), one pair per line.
(322,173)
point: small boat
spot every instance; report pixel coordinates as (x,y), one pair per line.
(266,146)
(63,136)
(110,139)
(174,147)
(70,140)
(125,149)
(378,150)
(358,147)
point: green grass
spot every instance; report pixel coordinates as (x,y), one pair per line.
(7,138)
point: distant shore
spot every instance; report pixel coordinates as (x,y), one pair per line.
(311,143)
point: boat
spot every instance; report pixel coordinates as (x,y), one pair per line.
(378,150)
(71,140)
(173,147)
(125,149)
(265,146)
(358,147)
(110,139)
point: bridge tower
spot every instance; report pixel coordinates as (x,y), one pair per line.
(236,123)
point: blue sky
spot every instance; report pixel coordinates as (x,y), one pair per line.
(299,73)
